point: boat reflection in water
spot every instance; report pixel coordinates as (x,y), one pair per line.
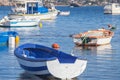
(3,47)
(27,76)
(99,50)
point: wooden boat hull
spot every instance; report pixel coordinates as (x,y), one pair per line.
(93,38)
(37,68)
(41,60)
(93,42)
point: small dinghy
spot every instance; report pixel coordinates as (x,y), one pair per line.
(41,60)
(93,37)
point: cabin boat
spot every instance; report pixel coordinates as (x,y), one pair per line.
(41,60)
(93,37)
(19,22)
(112,8)
(33,8)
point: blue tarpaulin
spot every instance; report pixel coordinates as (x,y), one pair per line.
(42,10)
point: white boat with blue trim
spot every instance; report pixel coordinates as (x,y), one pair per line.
(33,9)
(41,60)
(18,22)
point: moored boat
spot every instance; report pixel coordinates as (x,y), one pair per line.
(93,37)
(19,22)
(33,8)
(112,8)
(41,60)
(45,16)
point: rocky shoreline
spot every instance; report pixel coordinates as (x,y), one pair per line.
(5,3)
(82,3)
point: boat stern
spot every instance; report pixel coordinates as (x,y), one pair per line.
(66,70)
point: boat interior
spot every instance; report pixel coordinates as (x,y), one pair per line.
(95,34)
(46,54)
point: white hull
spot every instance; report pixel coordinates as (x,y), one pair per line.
(65,13)
(45,16)
(99,41)
(19,22)
(113,8)
(24,24)
(107,11)
(66,71)
(93,37)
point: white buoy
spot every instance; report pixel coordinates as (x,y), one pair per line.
(11,42)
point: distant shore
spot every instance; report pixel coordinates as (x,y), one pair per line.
(6,3)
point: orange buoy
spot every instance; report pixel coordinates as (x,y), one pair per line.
(55,46)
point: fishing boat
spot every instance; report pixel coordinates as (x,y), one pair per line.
(41,60)
(33,9)
(93,37)
(112,8)
(9,38)
(18,22)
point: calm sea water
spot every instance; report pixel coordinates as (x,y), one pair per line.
(103,61)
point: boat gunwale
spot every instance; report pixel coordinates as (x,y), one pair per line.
(34,59)
(59,54)
(93,44)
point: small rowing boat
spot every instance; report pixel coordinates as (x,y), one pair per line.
(93,37)
(41,60)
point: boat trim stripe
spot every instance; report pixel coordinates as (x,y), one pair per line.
(34,68)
